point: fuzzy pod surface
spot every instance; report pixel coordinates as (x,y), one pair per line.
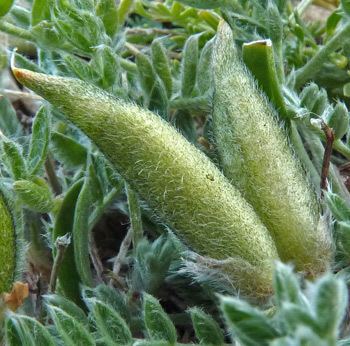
(256,157)
(179,182)
(10,252)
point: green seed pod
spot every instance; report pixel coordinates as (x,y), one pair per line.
(257,159)
(176,180)
(10,243)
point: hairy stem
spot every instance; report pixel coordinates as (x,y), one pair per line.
(61,245)
(14,30)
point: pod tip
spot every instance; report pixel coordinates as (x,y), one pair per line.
(18,73)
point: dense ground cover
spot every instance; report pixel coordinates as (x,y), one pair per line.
(174,172)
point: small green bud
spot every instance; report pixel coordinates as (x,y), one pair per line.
(34,194)
(338,120)
(339,60)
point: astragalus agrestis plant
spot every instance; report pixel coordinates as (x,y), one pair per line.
(176,180)
(76,207)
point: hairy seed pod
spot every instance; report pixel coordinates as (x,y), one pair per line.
(10,243)
(179,182)
(256,157)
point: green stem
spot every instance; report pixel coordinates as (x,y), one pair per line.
(313,66)
(198,103)
(134,215)
(13,30)
(61,245)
